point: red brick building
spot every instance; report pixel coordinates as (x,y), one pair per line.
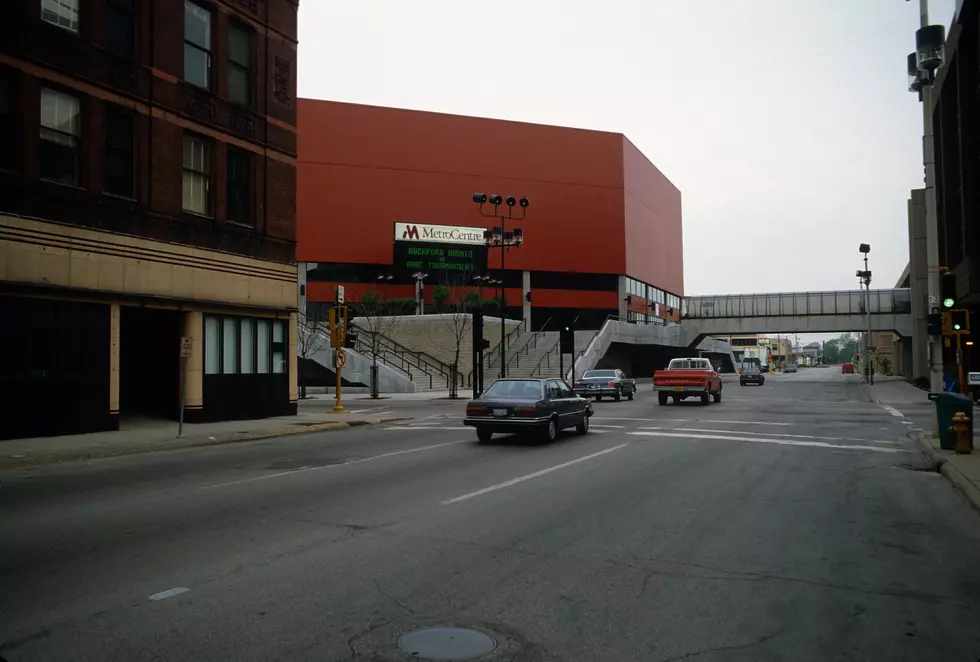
(147,195)
(602,234)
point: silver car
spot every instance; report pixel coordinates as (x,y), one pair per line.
(789,367)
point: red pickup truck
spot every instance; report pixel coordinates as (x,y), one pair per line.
(688,378)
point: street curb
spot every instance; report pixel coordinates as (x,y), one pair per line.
(96,453)
(970,491)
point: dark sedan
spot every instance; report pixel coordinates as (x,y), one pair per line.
(542,406)
(597,383)
(751,376)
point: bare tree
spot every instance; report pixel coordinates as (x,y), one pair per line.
(377,317)
(314,335)
(459,320)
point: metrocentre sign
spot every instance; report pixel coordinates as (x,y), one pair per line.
(439,234)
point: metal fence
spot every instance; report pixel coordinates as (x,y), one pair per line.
(844,302)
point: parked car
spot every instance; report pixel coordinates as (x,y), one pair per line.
(790,367)
(688,378)
(542,406)
(597,383)
(847,368)
(752,376)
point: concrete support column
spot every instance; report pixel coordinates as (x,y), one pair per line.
(919,282)
(621,290)
(114,321)
(526,296)
(292,353)
(194,387)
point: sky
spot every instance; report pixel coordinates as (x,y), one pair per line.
(787,125)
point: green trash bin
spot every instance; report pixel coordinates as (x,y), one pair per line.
(947,405)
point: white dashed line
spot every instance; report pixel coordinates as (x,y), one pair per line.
(169,593)
(775,434)
(893,411)
(596,425)
(536,474)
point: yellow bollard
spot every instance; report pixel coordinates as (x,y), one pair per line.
(961,428)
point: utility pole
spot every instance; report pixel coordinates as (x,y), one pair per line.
(935,349)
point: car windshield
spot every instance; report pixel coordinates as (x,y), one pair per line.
(514,388)
(599,373)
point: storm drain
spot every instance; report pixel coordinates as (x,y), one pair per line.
(446,644)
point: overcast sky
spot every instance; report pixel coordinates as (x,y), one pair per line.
(786,124)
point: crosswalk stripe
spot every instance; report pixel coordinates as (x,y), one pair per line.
(759,440)
(775,434)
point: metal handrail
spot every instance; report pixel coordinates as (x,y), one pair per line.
(421,357)
(385,352)
(508,339)
(545,359)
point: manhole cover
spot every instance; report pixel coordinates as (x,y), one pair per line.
(446,644)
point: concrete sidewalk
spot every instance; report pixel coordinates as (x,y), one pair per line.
(963,471)
(145,435)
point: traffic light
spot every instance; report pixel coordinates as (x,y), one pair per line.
(567,338)
(484,344)
(934,323)
(350,340)
(947,288)
(960,321)
(479,342)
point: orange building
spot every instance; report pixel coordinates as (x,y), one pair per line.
(602,235)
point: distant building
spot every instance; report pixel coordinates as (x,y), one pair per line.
(147,195)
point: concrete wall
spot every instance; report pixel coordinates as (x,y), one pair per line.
(436,335)
(918,281)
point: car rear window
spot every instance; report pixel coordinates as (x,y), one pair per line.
(693,364)
(599,373)
(514,388)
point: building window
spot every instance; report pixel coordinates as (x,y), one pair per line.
(244,346)
(63,13)
(9,135)
(197,176)
(240,64)
(119,129)
(239,186)
(60,128)
(119,26)
(197,45)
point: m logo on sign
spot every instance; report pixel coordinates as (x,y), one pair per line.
(411,232)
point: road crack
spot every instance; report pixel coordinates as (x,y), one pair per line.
(756,642)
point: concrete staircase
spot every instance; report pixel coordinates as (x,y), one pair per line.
(426,373)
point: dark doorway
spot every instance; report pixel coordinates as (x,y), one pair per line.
(149,361)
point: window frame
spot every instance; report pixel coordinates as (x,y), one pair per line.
(215,347)
(110,149)
(76,146)
(235,65)
(207,50)
(207,174)
(127,10)
(9,124)
(233,153)
(72,6)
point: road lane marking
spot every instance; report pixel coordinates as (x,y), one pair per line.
(782,442)
(711,420)
(596,425)
(893,411)
(777,434)
(536,474)
(334,466)
(169,593)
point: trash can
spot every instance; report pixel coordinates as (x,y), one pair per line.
(947,406)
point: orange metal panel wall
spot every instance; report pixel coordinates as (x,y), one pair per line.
(654,234)
(363,168)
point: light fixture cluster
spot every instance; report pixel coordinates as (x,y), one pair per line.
(929,55)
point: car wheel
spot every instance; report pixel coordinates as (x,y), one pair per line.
(662,398)
(741,383)
(551,430)
(598,398)
(483,435)
(717,395)
(583,427)
(618,396)
(629,396)
(705,398)
(762,382)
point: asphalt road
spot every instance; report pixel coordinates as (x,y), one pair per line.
(792,521)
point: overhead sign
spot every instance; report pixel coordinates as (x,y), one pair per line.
(973,378)
(439,234)
(340,295)
(452,260)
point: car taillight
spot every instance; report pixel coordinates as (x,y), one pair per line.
(525,411)
(575,385)
(475,411)
(612,384)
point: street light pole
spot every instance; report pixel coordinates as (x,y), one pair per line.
(932,222)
